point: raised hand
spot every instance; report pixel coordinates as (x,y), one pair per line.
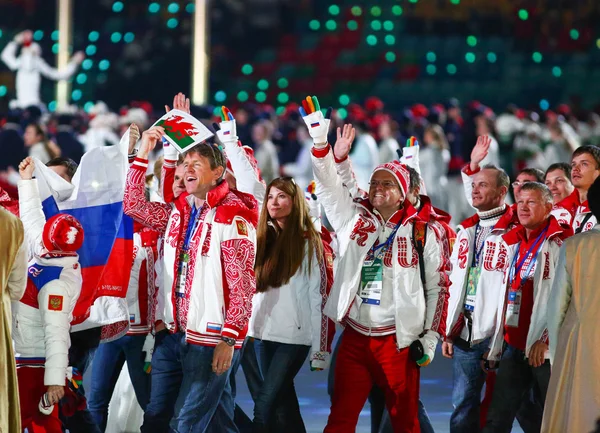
(480,151)
(227,130)
(26,168)
(343,144)
(78,57)
(180,102)
(149,140)
(318,125)
(24,36)
(134,136)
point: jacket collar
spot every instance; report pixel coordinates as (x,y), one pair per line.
(403,215)
(555,230)
(428,212)
(214,197)
(508,219)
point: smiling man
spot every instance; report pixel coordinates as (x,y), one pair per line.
(208,283)
(558,180)
(521,335)
(574,209)
(394,305)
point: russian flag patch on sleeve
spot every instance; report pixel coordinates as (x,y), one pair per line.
(55,303)
(213,328)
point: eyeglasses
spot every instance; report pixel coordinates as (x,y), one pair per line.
(517,184)
(385,185)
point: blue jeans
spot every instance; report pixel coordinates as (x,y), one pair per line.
(182,377)
(108,362)
(466,390)
(515,380)
(276,406)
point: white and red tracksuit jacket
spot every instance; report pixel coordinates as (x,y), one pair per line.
(358,227)
(42,318)
(544,272)
(573,212)
(142,291)
(493,258)
(220,281)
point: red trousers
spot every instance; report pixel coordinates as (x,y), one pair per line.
(31,390)
(364,361)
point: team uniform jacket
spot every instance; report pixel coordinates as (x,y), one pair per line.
(573,212)
(358,225)
(142,292)
(545,269)
(41,319)
(494,258)
(220,279)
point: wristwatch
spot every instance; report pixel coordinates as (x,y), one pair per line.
(230,341)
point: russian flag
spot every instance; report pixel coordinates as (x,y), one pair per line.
(95,198)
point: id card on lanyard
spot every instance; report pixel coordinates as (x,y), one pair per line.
(515,295)
(473,274)
(184,257)
(371,278)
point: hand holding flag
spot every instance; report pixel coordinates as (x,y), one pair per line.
(26,168)
(149,140)
(318,125)
(180,102)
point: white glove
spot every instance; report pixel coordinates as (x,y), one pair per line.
(318,127)
(410,157)
(228,132)
(148,347)
(44,406)
(313,205)
(169,151)
(429,342)
(319,360)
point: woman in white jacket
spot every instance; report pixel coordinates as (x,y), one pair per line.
(287,308)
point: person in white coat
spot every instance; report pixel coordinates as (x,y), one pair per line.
(41,319)
(30,66)
(521,334)
(287,309)
(393,302)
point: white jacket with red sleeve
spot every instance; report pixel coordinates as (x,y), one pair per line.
(221,264)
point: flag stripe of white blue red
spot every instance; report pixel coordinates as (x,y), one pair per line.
(95,198)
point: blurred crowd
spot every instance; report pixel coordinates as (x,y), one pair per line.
(446,133)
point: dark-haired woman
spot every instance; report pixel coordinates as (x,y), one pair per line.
(287,308)
(39,146)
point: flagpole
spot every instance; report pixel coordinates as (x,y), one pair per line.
(200,48)
(64,24)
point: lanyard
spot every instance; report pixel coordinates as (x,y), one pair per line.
(514,270)
(384,246)
(477,254)
(191,228)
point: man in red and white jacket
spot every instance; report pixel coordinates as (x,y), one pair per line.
(574,209)
(208,283)
(394,322)
(474,297)
(521,335)
(41,319)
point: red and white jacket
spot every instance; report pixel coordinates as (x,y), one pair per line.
(41,320)
(545,269)
(221,278)
(489,287)
(358,226)
(573,212)
(142,291)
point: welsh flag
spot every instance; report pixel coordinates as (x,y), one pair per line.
(183,130)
